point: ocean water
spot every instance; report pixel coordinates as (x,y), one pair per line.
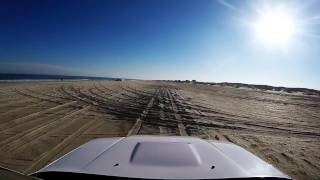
(30,77)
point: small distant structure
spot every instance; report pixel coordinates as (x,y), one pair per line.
(194,81)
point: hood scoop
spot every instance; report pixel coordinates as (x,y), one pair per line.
(165,154)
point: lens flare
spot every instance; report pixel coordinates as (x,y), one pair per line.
(275,28)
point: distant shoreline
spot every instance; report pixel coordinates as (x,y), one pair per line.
(8,77)
(40,80)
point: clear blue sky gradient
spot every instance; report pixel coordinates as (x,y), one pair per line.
(168,39)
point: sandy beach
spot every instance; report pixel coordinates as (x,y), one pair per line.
(41,121)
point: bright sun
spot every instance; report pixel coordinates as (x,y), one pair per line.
(275,28)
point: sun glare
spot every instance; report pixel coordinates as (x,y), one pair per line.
(275,28)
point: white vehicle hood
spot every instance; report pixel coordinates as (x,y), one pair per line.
(163,157)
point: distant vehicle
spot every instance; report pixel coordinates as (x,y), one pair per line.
(159,157)
(119,79)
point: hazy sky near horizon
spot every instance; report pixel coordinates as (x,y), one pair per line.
(206,40)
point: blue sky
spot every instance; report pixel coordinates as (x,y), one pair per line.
(206,40)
